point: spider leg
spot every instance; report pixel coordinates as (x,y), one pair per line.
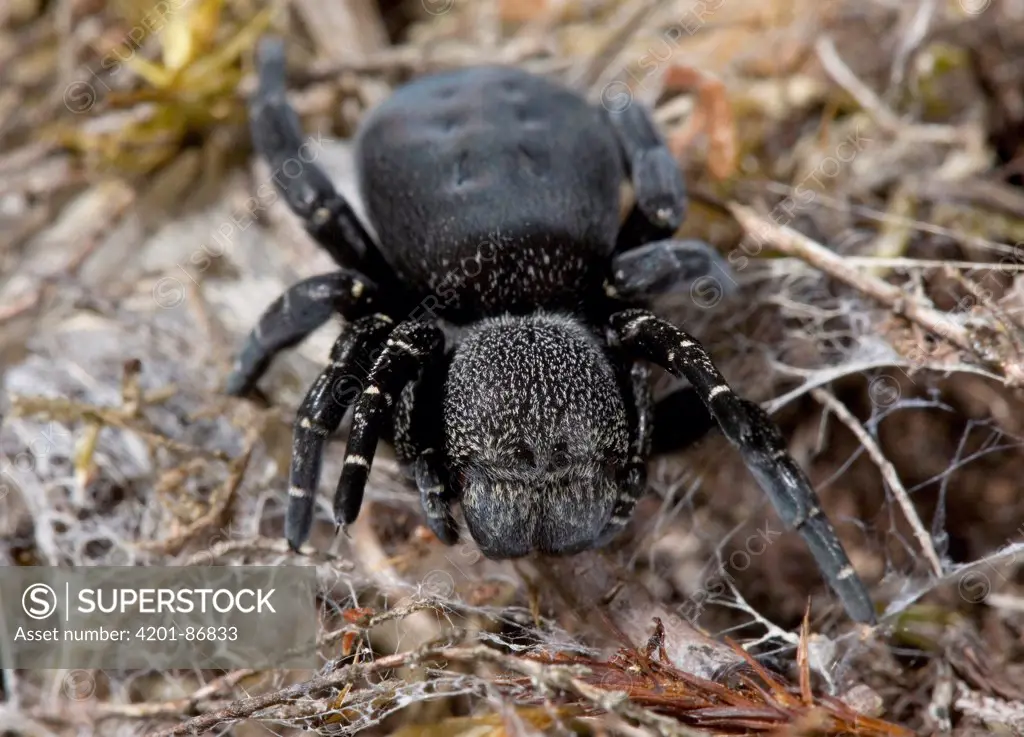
(322,411)
(416,440)
(657,179)
(436,497)
(410,348)
(278,137)
(637,384)
(294,315)
(666,265)
(759,441)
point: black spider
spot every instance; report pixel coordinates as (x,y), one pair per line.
(494,336)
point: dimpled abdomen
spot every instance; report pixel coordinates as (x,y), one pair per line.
(496,182)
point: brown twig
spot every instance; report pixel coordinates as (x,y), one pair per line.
(174,708)
(798,245)
(69,411)
(712,115)
(566,678)
(374,619)
(888,473)
(842,75)
(410,59)
(262,545)
(214,516)
(598,67)
(604,596)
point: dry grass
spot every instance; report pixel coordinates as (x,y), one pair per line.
(860,162)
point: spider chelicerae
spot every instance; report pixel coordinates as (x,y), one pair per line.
(495,332)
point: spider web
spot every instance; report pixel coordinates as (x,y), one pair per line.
(706,547)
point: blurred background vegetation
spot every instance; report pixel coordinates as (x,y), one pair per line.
(890,134)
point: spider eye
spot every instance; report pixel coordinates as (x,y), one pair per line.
(524,455)
(560,455)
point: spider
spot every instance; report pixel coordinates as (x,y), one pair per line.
(495,331)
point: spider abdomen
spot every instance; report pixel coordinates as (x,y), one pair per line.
(496,188)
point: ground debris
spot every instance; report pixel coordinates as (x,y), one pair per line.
(859,163)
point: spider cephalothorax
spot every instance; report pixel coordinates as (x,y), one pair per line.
(494,332)
(532,407)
